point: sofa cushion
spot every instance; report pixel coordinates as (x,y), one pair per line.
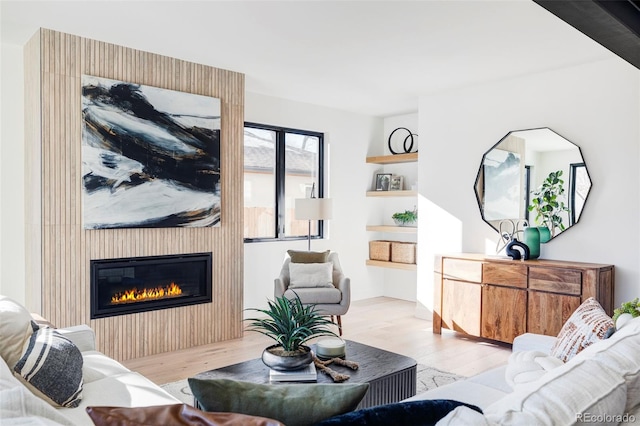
(563,395)
(308,256)
(315,295)
(97,366)
(478,394)
(120,390)
(620,353)
(292,404)
(15,329)
(51,367)
(587,325)
(175,415)
(423,413)
(304,275)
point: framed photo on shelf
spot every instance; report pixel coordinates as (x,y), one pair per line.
(396,183)
(383,181)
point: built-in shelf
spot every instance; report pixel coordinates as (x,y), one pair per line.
(394,159)
(391,228)
(404,193)
(393,265)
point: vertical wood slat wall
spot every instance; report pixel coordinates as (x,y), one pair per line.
(59,249)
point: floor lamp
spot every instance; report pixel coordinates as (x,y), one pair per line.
(312,209)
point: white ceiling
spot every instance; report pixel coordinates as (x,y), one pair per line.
(369,57)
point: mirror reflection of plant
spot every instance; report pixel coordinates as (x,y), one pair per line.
(546,202)
(290,323)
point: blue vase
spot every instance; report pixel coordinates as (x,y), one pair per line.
(532,240)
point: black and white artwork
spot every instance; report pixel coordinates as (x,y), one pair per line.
(502,191)
(150,156)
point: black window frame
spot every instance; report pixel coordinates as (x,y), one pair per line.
(280,175)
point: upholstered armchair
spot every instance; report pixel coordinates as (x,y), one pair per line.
(332,299)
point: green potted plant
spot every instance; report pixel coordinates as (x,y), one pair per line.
(405,218)
(626,312)
(290,324)
(547,204)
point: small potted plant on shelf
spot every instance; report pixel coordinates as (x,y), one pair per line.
(547,204)
(290,324)
(406,218)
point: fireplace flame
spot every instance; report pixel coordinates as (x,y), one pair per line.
(135,295)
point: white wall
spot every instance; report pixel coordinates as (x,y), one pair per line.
(595,105)
(12,214)
(347,138)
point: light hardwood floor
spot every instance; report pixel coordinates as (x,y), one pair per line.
(382,322)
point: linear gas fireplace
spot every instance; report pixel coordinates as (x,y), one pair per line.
(139,284)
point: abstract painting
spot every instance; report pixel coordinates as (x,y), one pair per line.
(150,156)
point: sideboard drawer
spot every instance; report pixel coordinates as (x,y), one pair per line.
(462,270)
(555,280)
(509,275)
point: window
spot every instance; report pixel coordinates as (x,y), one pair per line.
(280,165)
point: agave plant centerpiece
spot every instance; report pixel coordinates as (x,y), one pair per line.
(290,324)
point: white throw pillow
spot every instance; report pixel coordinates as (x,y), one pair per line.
(574,392)
(15,329)
(310,275)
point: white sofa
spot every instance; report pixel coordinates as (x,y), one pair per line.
(600,385)
(106,381)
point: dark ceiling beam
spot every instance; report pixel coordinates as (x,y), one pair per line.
(615,24)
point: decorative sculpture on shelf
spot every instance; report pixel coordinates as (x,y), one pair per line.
(517,250)
(513,247)
(407,144)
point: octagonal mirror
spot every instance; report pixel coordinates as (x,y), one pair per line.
(536,175)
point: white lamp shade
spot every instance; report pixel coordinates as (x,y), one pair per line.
(313,208)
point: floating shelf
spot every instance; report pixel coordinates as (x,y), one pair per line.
(405,193)
(393,265)
(394,159)
(391,228)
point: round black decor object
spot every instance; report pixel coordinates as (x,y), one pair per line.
(407,143)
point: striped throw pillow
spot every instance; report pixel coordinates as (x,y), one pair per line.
(587,325)
(51,367)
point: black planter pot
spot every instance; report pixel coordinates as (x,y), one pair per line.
(287,363)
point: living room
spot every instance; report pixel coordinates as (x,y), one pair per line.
(591,98)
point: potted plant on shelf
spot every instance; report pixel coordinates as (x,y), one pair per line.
(406,218)
(290,324)
(547,205)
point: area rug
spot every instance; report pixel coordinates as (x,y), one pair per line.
(427,378)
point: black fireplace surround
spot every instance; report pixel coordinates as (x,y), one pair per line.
(140,284)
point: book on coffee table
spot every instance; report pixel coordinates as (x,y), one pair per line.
(307,374)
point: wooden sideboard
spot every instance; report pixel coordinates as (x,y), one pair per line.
(499,298)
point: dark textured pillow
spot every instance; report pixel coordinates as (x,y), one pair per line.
(292,404)
(175,415)
(308,256)
(51,367)
(415,413)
